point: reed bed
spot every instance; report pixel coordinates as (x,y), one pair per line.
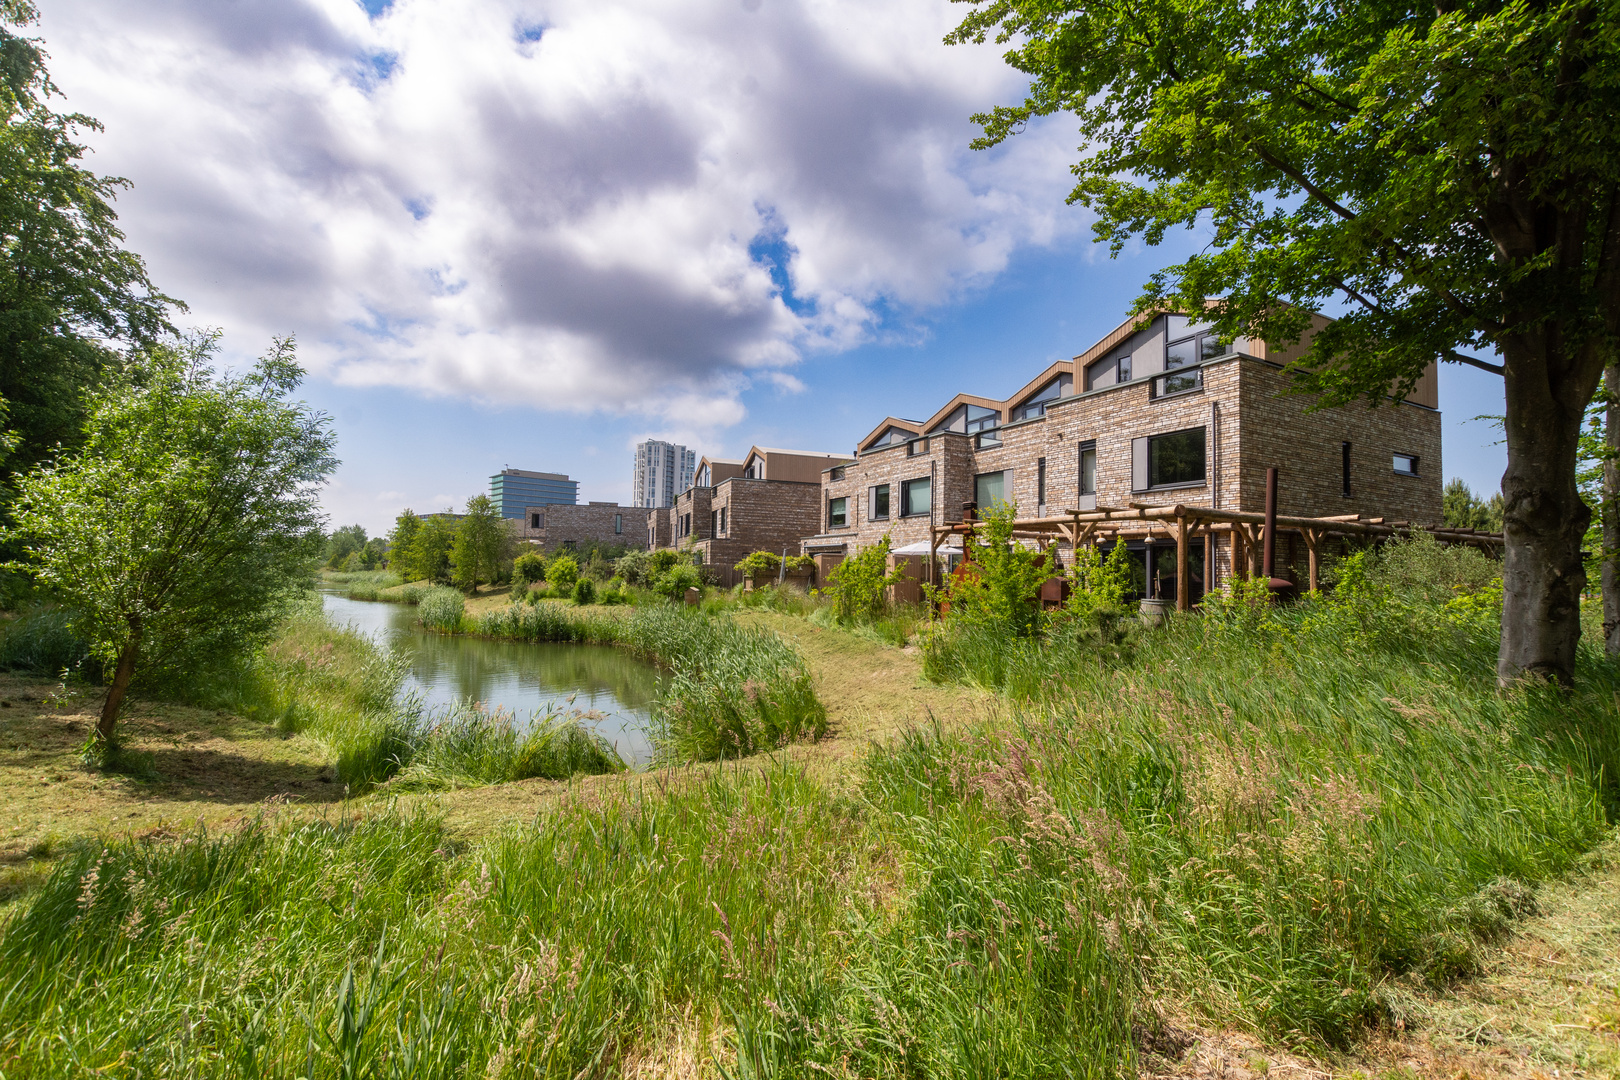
(342,687)
(733,690)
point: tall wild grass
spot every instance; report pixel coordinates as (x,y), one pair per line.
(1280,833)
(733,690)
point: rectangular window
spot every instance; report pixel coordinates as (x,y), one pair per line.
(878,510)
(723,526)
(618,524)
(1178,383)
(1040,481)
(1170,460)
(986,440)
(534,521)
(1344,465)
(714,523)
(916,447)
(1088,468)
(837,513)
(916,497)
(838,473)
(1406,465)
(990,489)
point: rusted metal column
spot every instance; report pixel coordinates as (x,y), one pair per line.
(1269,567)
(1183,586)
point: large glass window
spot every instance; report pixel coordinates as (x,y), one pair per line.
(990,489)
(890,437)
(970,420)
(1036,406)
(1176,458)
(916,497)
(1088,468)
(879,508)
(837,512)
(1190,344)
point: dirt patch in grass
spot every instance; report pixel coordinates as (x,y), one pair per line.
(204,765)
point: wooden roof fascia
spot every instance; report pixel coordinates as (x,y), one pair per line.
(888,422)
(963,399)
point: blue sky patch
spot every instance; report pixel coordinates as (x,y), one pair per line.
(375,8)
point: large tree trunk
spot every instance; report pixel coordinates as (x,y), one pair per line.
(1610,511)
(1544,517)
(122,676)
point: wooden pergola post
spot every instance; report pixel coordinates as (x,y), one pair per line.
(1183,586)
(1209,557)
(1313,575)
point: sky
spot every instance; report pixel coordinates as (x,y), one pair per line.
(531,233)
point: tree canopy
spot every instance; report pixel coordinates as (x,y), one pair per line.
(70,294)
(183,525)
(1448,176)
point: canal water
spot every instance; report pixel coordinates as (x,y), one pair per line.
(614,689)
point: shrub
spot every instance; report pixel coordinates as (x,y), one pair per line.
(528,569)
(562,572)
(584,591)
(468,745)
(441,608)
(634,567)
(674,582)
(1000,583)
(859,585)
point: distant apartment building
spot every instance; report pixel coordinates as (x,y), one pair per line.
(768,501)
(570,527)
(663,471)
(515,490)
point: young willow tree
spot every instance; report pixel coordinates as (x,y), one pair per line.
(1450,173)
(189,515)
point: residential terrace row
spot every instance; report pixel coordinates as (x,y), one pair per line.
(1160,412)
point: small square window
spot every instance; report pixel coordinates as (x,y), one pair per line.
(879,510)
(1406,465)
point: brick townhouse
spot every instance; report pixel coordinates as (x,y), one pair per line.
(567,525)
(1159,412)
(768,501)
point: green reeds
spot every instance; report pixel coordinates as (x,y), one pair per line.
(733,690)
(441,608)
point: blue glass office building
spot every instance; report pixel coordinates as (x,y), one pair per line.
(514,489)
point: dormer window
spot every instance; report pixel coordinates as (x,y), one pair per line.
(754,469)
(970,420)
(892,436)
(703,477)
(1036,405)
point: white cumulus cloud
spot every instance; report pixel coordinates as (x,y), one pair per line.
(642,206)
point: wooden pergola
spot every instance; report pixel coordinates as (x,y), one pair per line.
(1185,524)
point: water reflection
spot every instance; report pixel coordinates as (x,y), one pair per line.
(520,677)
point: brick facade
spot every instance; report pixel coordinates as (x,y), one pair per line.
(604,523)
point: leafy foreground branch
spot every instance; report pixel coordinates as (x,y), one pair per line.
(1283,836)
(733,690)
